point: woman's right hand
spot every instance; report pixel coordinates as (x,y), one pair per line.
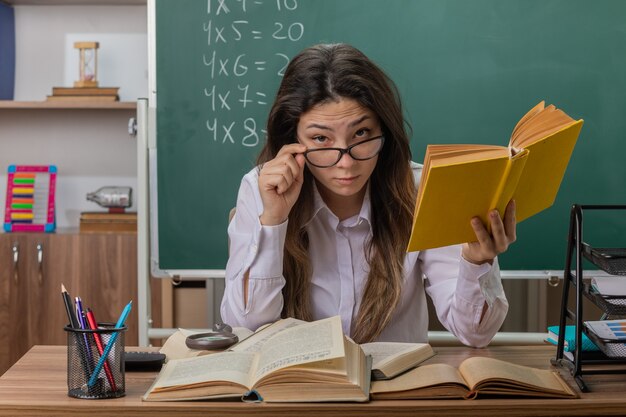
(280,182)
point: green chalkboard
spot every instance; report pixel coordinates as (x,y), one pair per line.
(467,71)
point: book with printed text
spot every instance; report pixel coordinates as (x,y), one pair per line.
(390,359)
(475,377)
(285,362)
(460,182)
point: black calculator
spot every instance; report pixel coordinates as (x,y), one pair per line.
(143,361)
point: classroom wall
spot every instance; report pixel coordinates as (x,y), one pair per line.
(91,148)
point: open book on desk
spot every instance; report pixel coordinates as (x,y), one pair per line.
(311,362)
(476,376)
(462,181)
(390,359)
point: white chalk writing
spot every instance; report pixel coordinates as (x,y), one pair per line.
(242,58)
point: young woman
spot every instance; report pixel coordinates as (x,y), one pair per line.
(322,224)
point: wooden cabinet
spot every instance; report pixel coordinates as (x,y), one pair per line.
(100,268)
(8,296)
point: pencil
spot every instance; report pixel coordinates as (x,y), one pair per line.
(75,325)
(68,308)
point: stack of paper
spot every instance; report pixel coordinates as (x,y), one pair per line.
(608,329)
(615,286)
(609,332)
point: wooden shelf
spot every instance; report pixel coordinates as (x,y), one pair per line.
(67,105)
(57,231)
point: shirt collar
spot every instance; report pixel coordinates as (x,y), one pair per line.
(320,206)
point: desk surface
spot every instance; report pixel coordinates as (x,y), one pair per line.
(36,386)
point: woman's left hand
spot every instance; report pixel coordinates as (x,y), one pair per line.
(488,246)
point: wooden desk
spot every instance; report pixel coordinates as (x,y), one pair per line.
(36,386)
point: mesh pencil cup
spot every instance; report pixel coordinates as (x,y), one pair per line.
(83,355)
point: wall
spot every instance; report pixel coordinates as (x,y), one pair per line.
(91,148)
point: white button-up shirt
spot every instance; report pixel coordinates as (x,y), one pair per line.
(458,289)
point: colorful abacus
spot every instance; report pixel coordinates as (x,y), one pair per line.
(30,198)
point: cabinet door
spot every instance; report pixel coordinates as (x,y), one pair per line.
(25,313)
(107,277)
(9,283)
(51,262)
(101,268)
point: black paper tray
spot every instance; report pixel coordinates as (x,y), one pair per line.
(611,260)
(612,305)
(611,348)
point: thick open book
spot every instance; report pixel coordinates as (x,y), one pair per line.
(388,358)
(462,181)
(391,358)
(285,362)
(476,376)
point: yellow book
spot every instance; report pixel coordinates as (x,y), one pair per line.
(462,181)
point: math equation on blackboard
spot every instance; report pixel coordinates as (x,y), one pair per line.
(247,45)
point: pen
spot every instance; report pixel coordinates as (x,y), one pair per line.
(83,325)
(107,349)
(93,325)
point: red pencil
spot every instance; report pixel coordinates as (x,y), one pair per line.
(93,325)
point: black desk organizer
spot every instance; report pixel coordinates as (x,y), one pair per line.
(610,260)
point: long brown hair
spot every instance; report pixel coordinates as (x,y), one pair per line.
(320,74)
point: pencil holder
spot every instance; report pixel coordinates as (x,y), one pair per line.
(84,350)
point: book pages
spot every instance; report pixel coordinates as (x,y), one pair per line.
(480,370)
(310,342)
(382,352)
(256,341)
(423,377)
(228,366)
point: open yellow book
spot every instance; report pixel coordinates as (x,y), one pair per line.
(299,362)
(392,358)
(476,376)
(462,181)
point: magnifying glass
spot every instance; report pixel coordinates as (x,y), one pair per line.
(221,337)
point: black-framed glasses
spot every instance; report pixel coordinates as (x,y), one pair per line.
(360,151)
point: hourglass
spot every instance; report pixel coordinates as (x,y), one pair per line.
(88,65)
